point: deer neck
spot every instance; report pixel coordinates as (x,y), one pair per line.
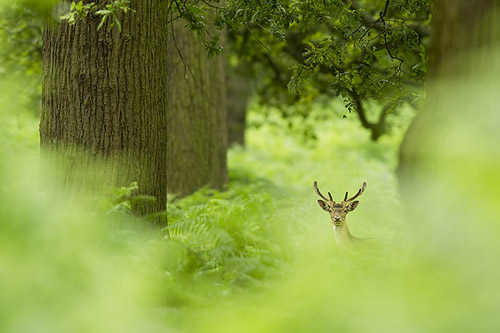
(342,235)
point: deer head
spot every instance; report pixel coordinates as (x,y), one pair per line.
(338,210)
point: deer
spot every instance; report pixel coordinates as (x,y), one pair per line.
(338,212)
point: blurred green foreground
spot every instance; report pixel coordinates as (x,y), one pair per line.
(261,257)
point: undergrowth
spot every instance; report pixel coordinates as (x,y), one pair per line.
(230,240)
(268,223)
(261,256)
(262,247)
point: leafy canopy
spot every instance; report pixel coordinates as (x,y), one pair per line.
(361,51)
(358,50)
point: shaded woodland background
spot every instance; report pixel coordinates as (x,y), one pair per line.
(157,161)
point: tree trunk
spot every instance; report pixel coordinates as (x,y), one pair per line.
(238,92)
(449,163)
(105,97)
(196,115)
(460,28)
(105,101)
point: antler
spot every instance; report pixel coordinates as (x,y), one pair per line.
(315,185)
(361,190)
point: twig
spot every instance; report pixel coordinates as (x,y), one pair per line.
(382,15)
(210,5)
(173,19)
(258,39)
(386,82)
(370,28)
(183,59)
(169,7)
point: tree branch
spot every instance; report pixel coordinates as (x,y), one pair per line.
(258,39)
(377,129)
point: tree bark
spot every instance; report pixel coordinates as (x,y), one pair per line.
(196,115)
(460,28)
(105,98)
(238,93)
(127,101)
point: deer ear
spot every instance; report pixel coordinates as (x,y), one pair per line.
(323,205)
(352,206)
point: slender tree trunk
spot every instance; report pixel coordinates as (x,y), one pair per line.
(196,115)
(238,92)
(105,97)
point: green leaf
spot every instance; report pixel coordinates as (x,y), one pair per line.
(102,22)
(79,6)
(103,12)
(118,24)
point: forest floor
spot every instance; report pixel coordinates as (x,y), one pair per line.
(258,257)
(279,260)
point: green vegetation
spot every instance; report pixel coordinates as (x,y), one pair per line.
(296,52)
(260,255)
(78,10)
(262,247)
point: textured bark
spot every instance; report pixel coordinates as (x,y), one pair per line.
(460,28)
(196,115)
(105,97)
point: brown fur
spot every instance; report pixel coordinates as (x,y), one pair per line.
(338,212)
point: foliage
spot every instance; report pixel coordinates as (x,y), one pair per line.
(21,51)
(61,268)
(229,238)
(264,247)
(197,16)
(79,10)
(253,235)
(358,50)
(260,257)
(121,199)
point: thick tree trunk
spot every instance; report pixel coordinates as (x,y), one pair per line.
(196,115)
(460,28)
(105,97)
(450,158)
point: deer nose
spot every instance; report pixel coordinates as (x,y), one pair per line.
(337,218)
